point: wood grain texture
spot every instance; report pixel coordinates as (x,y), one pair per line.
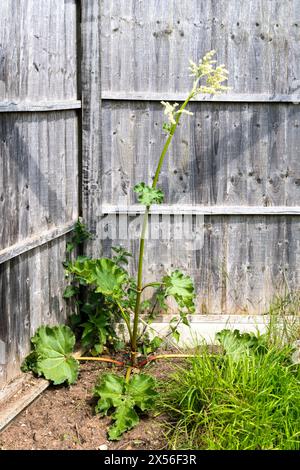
(38,50)
(225,154)
(164,209)
(30,243)
(179,97)
(235,162)
(91,118)
(39,147)
(38,181)
(146,45)
(39,106)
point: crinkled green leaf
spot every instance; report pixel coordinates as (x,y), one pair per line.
(114,392)
(148,195)
(125,417)
(110,390)
(103,273)
(52,349)
(141,389)
(238,344)
(70,291)
(95,330)
(180,287)
(155,343)
(30,363)
(70,247)
(121,255)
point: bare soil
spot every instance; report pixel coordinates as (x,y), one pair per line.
(63,418)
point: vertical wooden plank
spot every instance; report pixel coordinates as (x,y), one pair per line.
(91,116)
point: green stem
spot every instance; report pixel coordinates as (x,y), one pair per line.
(128,372)
(142,238)
(168,141)
(152,284)
(139,287)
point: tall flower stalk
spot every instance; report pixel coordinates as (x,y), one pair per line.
(113,295)
(213,78)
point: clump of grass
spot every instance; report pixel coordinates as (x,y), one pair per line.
(218,402)
(284,314)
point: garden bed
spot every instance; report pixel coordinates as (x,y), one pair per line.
(63,418)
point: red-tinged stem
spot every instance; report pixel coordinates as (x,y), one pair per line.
(165,356)
(101,359)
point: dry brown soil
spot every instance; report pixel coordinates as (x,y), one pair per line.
(63,418)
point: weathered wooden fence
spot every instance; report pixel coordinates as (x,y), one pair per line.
(40,155)
(80,124)
(236,160)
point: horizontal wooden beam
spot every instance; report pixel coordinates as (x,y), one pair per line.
(39,106)
(33,242)
(232,98)
(19,394)
(186,209)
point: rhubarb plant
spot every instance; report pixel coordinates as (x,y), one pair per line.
(104,294)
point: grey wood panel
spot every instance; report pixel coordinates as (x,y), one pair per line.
(91,157)
(30,243)
(243,262)
(190,209)
(238,156)
(226,154)
(38,173)
(41,106)
(179,96)
(39,153)
(38,51)
(31,288)
(146,45)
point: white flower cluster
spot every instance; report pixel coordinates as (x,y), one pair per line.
(214,76)
(170,111)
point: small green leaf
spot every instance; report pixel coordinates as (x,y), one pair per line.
(95,331)
(70,291)
(70,247)
(176,334)
(148,195)
(121,256)
(184,318)
(155,343)
(30,363)
(180,287)
(97,349)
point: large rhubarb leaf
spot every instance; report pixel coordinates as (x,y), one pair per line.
(103,273)
(52,354)
(237,344)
